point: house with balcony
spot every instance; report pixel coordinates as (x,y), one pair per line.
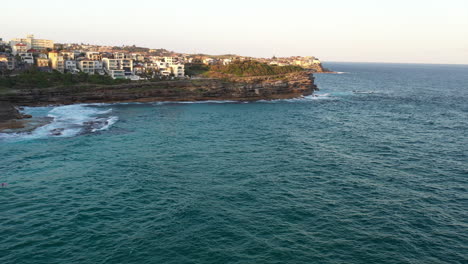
(70,66)
(86,66)
(27,57)
(113,67)
(178,70)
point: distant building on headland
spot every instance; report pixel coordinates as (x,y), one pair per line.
(33,43)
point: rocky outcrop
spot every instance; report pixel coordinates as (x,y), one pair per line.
(8,112)
(10,117)
(225,88)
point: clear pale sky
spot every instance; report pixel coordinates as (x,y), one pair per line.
(422,31)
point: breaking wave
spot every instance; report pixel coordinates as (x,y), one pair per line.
(67,121)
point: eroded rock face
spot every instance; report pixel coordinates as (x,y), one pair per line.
(233,88)
(8,112)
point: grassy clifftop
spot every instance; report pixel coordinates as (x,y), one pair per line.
(241,69)
(253,68)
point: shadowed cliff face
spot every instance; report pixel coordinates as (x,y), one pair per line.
(233,88)
(8,112)
(10,116)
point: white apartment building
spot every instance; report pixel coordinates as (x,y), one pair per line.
(33,43)
(118,68)
(119,55)
(70,65)
(86,66)
(118,64)
(19,48)
(27,57)
(169,60)
(98,65)
(178,70)
(117,74)
(67,55)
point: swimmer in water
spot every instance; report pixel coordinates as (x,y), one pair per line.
(4,184)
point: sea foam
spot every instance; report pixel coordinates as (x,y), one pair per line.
(67,121)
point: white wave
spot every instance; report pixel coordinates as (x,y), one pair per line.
(196,102)
(341,72)
(68,121)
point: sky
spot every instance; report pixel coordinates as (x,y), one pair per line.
(407,31)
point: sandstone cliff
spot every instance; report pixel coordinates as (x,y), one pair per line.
(224,88)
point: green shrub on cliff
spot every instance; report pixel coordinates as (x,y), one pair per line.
(34,78)
(253,68)
(196,69)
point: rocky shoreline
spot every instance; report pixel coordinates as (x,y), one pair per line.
(285,86)
(11,117)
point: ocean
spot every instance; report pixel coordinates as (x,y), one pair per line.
(372,169)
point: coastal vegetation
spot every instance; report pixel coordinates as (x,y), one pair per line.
(241,69)
(33,78)
(254,68)
(196,69)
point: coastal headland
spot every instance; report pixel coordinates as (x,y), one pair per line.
(218,86)
(283,86)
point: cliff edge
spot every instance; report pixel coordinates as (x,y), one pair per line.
(270,87)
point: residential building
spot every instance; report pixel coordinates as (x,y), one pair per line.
(7,62)
(86,66)
(178,70)
(117,74)
(68,55)
(117,64)
(33,43)
(70,65)
(26,57)
(56,62)
(92,55)
(209,61)
(42,62)
(19,48)
(119,55)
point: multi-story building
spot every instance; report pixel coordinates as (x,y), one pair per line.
(178,70)
(26,57)
(117,74)
(118,64)
(56,62)
(98,65)
(42,62)
(86,66)
(7,62)
(33,43)
(70,65)
(137,57)
(67,55)
(92,55)
(119,55)
(19,48)
(115,67)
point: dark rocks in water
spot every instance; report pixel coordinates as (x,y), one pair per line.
(57,131)
(92,126)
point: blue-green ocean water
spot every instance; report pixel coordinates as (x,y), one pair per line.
(377,176)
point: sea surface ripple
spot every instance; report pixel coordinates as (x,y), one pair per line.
(374,169)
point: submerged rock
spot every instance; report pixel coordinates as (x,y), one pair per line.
(57,131)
